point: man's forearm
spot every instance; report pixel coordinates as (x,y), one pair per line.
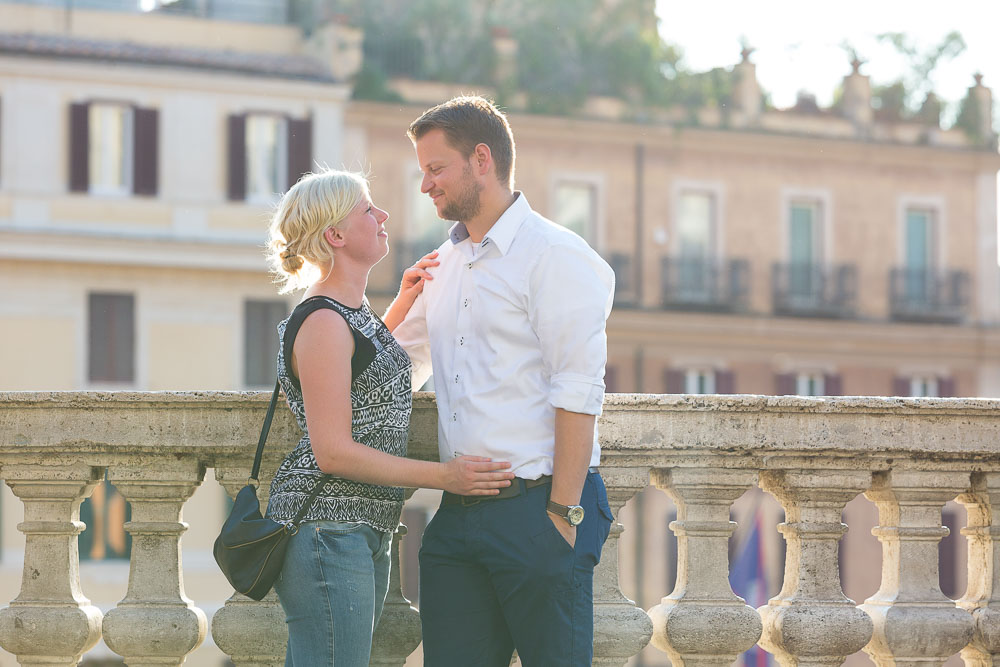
(574,446)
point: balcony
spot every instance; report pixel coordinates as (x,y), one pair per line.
(809,290)
(704,284)
(907,456)
(926,295)
(625,280)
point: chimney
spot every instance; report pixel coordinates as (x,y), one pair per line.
(857,101)
(747,98)
(505,65)
(337,44)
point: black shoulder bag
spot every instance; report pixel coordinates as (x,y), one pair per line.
(250,549)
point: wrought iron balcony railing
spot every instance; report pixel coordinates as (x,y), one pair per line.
(704,284)
(926,295)
(810,290)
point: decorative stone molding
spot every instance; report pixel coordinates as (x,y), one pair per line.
(620,628)
(703,622)
(398,632)
(156,624)
(811,621)
(914,622)
(982,598)
(50,622)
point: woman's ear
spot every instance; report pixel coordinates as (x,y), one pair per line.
(334,237)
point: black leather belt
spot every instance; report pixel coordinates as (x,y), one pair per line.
(516,488)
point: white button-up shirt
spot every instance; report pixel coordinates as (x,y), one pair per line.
(513,330)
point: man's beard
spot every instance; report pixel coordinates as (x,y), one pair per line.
(466,205)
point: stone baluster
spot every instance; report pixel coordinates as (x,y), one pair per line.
(50,622)
(398,632)
(620,628)
(982,598)
(703,622)
(914,622)
(251,633)
(155,623)
(811,621)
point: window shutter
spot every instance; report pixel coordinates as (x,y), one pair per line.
(674,381)
(832,385)
(79,147)
(946,387)
(237,190)
(784,384)
(900,386)
(299,149)
(145,157)
(725,382)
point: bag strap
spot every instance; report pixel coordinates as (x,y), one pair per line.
(265,429)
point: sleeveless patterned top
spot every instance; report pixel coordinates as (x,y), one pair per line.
(381,402)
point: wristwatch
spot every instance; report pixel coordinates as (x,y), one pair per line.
(573,514)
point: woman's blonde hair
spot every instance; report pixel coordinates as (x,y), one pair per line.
(296,250)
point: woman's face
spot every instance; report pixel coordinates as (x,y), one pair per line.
(364,232)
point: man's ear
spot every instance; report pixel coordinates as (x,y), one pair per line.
(482,158)
(334,237)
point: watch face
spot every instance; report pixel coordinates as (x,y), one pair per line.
(575,515)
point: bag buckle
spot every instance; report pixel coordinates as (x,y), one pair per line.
(253,482)
(291,529)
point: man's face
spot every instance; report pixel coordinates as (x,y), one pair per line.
(449,178)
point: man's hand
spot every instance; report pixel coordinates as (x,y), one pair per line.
(567,531)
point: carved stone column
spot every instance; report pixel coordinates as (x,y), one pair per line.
(50,622)
(982,598)
(811,621)
(620,628)
(398,632)
(251,633)
(914,622)
(703,622)
(156,624)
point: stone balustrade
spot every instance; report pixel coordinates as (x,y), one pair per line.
(908,456)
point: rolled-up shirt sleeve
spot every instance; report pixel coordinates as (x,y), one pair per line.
(570,294)
(412,336)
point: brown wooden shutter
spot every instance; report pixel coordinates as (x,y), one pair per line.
(946,387)
(145,156)
(674,381)
(784,384)
(725,382)
(79,147)
(299,149)
(900,386)
(833,385)
(237,190)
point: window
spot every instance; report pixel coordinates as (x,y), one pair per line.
(804,233)
(918,249)
(260,343)
(113,149)
(699,381)
(924,385)
(268,153)
(266,158)
(105,512)
(810,384)
(575,208)
(695,245)
(111,338)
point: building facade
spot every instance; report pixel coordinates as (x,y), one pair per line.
(798,251)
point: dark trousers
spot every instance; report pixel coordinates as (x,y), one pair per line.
(497,575)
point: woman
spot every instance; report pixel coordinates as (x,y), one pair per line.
(348,383)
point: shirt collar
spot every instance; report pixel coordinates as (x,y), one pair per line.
(503,230)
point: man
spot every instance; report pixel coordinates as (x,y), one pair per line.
(514,326)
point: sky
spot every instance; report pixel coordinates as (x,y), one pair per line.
(798,43)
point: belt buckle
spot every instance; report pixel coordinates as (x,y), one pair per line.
(469,501)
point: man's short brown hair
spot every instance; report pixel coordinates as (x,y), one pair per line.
(466,122)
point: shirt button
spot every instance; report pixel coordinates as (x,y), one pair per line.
(469,265)
(454,416)
(465,304)
(456,379)
(461,341)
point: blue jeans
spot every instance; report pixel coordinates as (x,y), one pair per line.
(497,575)
(332,587)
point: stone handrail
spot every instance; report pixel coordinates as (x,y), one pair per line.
(908,456)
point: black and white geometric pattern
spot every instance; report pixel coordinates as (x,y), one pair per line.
(381,401)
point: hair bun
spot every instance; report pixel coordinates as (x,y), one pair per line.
(290,262)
